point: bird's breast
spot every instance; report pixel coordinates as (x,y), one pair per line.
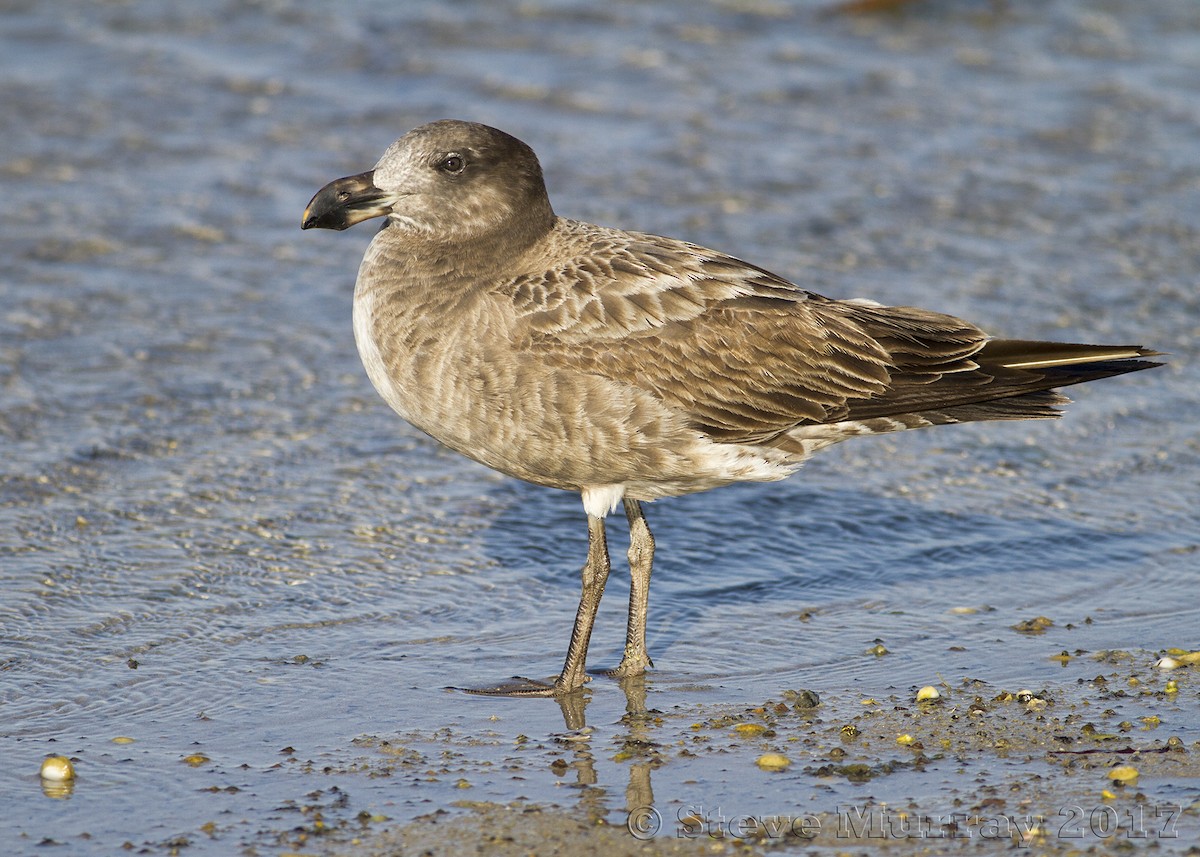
(450,362)
(448,366)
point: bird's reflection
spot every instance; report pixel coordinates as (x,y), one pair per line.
(634,745)
(638,722)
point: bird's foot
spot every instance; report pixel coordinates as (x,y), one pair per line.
(519,686)
(633,663)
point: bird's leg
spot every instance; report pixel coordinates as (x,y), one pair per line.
(595,575)
(574,675)
(641,558)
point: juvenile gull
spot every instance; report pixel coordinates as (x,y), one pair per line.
(628,366)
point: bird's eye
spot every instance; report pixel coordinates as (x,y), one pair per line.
(452,164)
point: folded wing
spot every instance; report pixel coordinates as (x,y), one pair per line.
(748,357)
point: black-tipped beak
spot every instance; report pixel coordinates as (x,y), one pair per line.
(345,202)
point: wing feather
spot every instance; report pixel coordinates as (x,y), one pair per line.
(746,356)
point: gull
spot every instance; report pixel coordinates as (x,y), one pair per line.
(628,367)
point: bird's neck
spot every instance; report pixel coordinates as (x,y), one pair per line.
(484,255)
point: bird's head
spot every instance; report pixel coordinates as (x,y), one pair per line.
(447,182)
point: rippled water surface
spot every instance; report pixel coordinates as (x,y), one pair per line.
(215,539)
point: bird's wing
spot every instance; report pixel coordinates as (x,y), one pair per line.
(744,354)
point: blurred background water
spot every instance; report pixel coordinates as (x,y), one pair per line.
(214,537)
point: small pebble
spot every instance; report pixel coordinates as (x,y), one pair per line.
(806,699)
(928,694)
(749,730)
(1036,625)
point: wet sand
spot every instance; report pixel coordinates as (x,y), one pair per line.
(985,766)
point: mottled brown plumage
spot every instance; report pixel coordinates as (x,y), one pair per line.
(629,367)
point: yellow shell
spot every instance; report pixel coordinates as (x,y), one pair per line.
(749,730)
(58,769)
(773,762)
(1125,775)
(928,693)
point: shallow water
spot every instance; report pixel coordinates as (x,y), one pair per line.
(214,538)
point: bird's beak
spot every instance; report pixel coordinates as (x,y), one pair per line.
(345,202)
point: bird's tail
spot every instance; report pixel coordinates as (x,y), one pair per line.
(1030,354)
(1028,372)
(1023,379)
